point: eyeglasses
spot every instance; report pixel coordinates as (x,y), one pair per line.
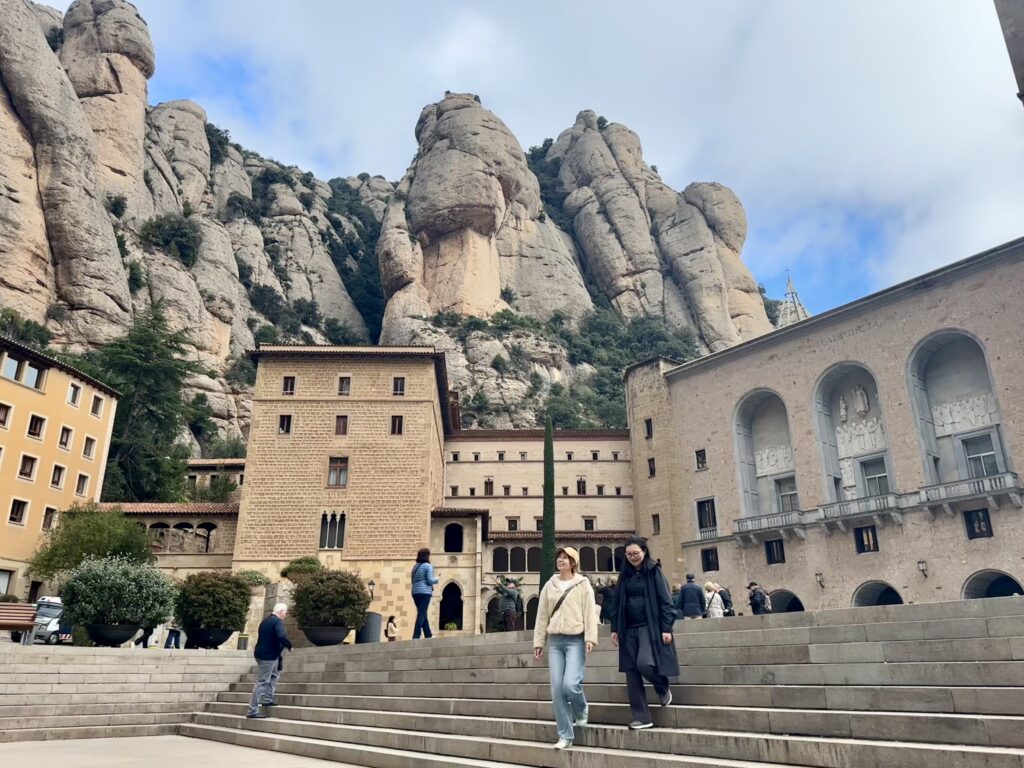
(635,554)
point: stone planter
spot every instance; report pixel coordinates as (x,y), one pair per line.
(207,638)
(325,635)
(111,635)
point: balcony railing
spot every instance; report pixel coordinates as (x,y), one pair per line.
(706,534)
(870,505)
(770,522)
(1008,482)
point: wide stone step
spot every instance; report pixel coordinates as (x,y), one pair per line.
(98,696)
(89,732)
(522,736)
(113,707)
(114,675)
(504,751)
(122,688)
(491,719)
(83,720)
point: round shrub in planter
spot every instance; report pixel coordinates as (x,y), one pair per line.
(254,579)
(210,606)
(301,567)
(113,596)
(327,604)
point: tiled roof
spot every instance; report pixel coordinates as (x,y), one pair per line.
(174,508)
(537,434)
(562,536)
(216,462)
(457,512)
(39,357)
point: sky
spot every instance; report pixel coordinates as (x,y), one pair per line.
(869,141)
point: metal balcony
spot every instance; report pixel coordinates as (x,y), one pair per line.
(991,489)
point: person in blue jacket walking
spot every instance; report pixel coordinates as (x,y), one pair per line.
(270,645)
(423,581)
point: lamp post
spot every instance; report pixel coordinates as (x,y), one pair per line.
(370,586)
(820,578)
(922,566)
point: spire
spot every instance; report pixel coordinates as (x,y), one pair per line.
(792,309)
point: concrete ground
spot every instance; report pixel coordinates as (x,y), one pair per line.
(150,752)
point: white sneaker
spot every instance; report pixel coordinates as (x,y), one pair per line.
(582,719)
(563,744)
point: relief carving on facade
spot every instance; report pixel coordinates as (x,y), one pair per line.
(965,414)
(772,461)
(849,478)
(860,437)
(861,402)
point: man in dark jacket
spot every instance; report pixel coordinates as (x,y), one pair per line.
(508,601)
(758,599)
(270,645)
(726,596)
(690,601)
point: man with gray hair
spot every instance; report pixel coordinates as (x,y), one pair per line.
(270,645)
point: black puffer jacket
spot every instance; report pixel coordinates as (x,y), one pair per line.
(660,612)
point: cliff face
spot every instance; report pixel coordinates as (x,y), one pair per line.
(92,178)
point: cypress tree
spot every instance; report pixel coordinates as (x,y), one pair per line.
(547,559)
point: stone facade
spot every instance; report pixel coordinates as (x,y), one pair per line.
(869,450)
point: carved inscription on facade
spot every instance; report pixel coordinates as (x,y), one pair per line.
(772,461)
(965,414)
(859,437)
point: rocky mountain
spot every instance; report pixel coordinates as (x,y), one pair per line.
(108,204)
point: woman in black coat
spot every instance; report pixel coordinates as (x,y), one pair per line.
(642,630)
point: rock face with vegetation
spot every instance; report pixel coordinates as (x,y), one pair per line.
(539,273)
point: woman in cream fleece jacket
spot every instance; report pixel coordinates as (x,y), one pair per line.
(567,624)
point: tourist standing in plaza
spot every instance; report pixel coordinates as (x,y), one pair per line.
(759,601)
(567,623)
(271,641)
(690,602)
(423,581)
(391,629)
(716,609)
(508,602)
(642,630)
(726,596)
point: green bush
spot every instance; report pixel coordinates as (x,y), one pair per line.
(301,566)
(331,599)
(265,334)
(217,491)
(239,206)
(508,295)
(136,276)
(212,600)
(268,302)
(116,590)
(500,364)
(308,312)
(338,332)
(602,123)
(176,234)
(219,140)
(117,204)
(225,448)
(253,578)
(28,332)
(9,599)
(242,372)
(306,198)
(122,244)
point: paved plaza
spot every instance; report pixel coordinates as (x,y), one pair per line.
(150,752)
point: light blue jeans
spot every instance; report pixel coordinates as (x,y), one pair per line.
(567,662)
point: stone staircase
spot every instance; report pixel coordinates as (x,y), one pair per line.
(916,686)
(60,692)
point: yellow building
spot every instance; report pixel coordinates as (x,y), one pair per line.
(55,427)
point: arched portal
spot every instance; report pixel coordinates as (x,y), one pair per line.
(531,612)
(517,560)
(872,593)
(588,560)
(451,606)
(784,601)
(533,558)
(991,583)
(499,560)
(764,455)
(493,621)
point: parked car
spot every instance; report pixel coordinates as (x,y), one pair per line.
(49,627)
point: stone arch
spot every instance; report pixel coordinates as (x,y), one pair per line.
(588,560)
(872,593)
(517,560)
(453,537)
(784,601)
(499,560)
(764,454)
(492,618)
(531,612)
(205,537)
(451,605)
(991,583)
(955,404)
(618,558)
(159,536)
(533,558)
(852,437)
(182,535)
(605,561)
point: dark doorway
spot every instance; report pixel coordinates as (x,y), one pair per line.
(451,607)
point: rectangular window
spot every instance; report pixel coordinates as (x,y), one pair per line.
(33,376)
(337,472)
(489,486)
(288,385)
(82,485)
(522,455)
(785,491)
(526,491)
(396,425)
(345,385)
(476,457)
(455,455)
(241,479)
(615,455)
(709,559)
(588,523)
(74,394)
(656,524)
(775,551)
(57,478)
(36,424)
(97,406)
(192,481)
(866,538)
(618,490)
(341,425)
(89,448)
(64,441)
(5,415)
(12,367)
(707,517)
(701,459)
(981,456)
(581,486)
(979,526)
(513,523)
(501,455)
(506,490)
(472,491)
(568,455)
(565,490)
(19,511)
(398,386)
(648,428)
(538,523)
(49,518)
(455,490)
(876,479)
(284,424)
(651,468)
(595,455)
(600,490)
(27,470)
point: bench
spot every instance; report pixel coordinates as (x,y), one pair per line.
(19,616)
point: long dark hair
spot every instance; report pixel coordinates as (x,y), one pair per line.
(423,556)
(391,619)
(638,541)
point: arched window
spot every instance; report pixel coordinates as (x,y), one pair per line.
(181,537)
(517,560)
(499,560)
(531,612)
(533,557)
(588,560)
(204,537)
(453,537)
(493,621)
(764,455)
(159,535)
(604,559)
(332,530)
(620,559)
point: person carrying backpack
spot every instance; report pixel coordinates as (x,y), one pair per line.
(760,603)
